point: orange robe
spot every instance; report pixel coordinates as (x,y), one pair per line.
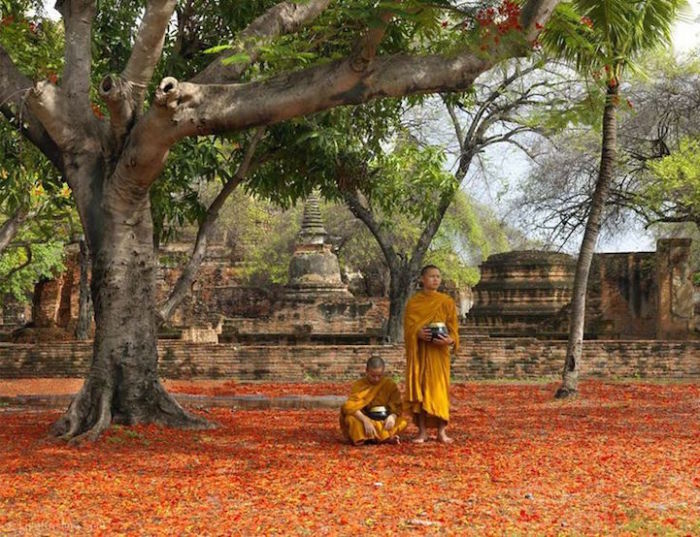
(428,365)
(363,393)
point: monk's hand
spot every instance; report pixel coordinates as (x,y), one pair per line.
(425,334)
(390,422)
(443,341)
(370,431)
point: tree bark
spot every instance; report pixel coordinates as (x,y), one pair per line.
(399,292)
(82,329)
(574,347)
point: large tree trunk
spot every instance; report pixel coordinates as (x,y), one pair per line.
(574,346)
(122,384)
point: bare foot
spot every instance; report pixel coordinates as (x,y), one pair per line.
(445,439)
(393,440)
(420,439)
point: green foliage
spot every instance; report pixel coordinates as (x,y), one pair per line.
(35,43)
(675,180)
(46,262)
(29,184)
(603,38)
(411,179)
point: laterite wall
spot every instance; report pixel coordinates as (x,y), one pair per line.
(480,358)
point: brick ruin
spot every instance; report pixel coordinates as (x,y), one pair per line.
(640,295)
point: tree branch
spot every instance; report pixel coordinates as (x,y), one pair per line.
(10,228)
(354,203)
(283,18)
(78,16)
(367,48)
(14,87)
(187,278)
(188,109)
(49,105)
(147,49)
(28,250)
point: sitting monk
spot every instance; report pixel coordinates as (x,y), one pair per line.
(372,413)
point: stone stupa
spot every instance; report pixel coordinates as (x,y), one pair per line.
(314,270)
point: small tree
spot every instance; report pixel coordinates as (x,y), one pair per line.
(614,33)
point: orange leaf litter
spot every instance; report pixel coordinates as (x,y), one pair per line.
(622,459)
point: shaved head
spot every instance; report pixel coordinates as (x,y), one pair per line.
(375,362)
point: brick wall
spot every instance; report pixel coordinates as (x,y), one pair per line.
(480,358)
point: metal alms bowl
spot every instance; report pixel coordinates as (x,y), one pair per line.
(378,413)
(438,329)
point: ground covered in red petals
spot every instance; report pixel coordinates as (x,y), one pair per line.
(622,459)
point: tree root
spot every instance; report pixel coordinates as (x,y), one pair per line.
(565,393)
(92,411)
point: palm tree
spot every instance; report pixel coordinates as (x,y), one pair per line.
(609,36)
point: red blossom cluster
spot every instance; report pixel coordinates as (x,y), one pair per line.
(96,111)
(496,22)
(587,22)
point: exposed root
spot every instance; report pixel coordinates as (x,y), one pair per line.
(85,419)
(565,393)
(93,409)
(173,415)
(102,423)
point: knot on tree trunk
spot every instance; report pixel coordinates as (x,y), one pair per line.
(114,88)
(168,93)
(171,93)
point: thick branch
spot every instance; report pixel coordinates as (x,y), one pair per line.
(117,95)
(187,109)
(284,18)
(354,203)
(186,279)
(534,14)
(77,20)
(48,104)
(14,87)
(147,48)
(367,48)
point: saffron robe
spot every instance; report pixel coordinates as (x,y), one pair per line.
(363,393)
(427,364)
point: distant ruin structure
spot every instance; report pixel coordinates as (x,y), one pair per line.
(639,295)
(520,290)
(314,270)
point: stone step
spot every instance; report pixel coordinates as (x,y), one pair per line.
(239,402)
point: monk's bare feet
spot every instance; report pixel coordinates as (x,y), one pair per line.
(442,437)
(420,439)
(393,440)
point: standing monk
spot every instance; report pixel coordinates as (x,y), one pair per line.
(430,329)
(372,413)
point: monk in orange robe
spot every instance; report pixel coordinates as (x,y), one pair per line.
(372,413)
(428,355)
